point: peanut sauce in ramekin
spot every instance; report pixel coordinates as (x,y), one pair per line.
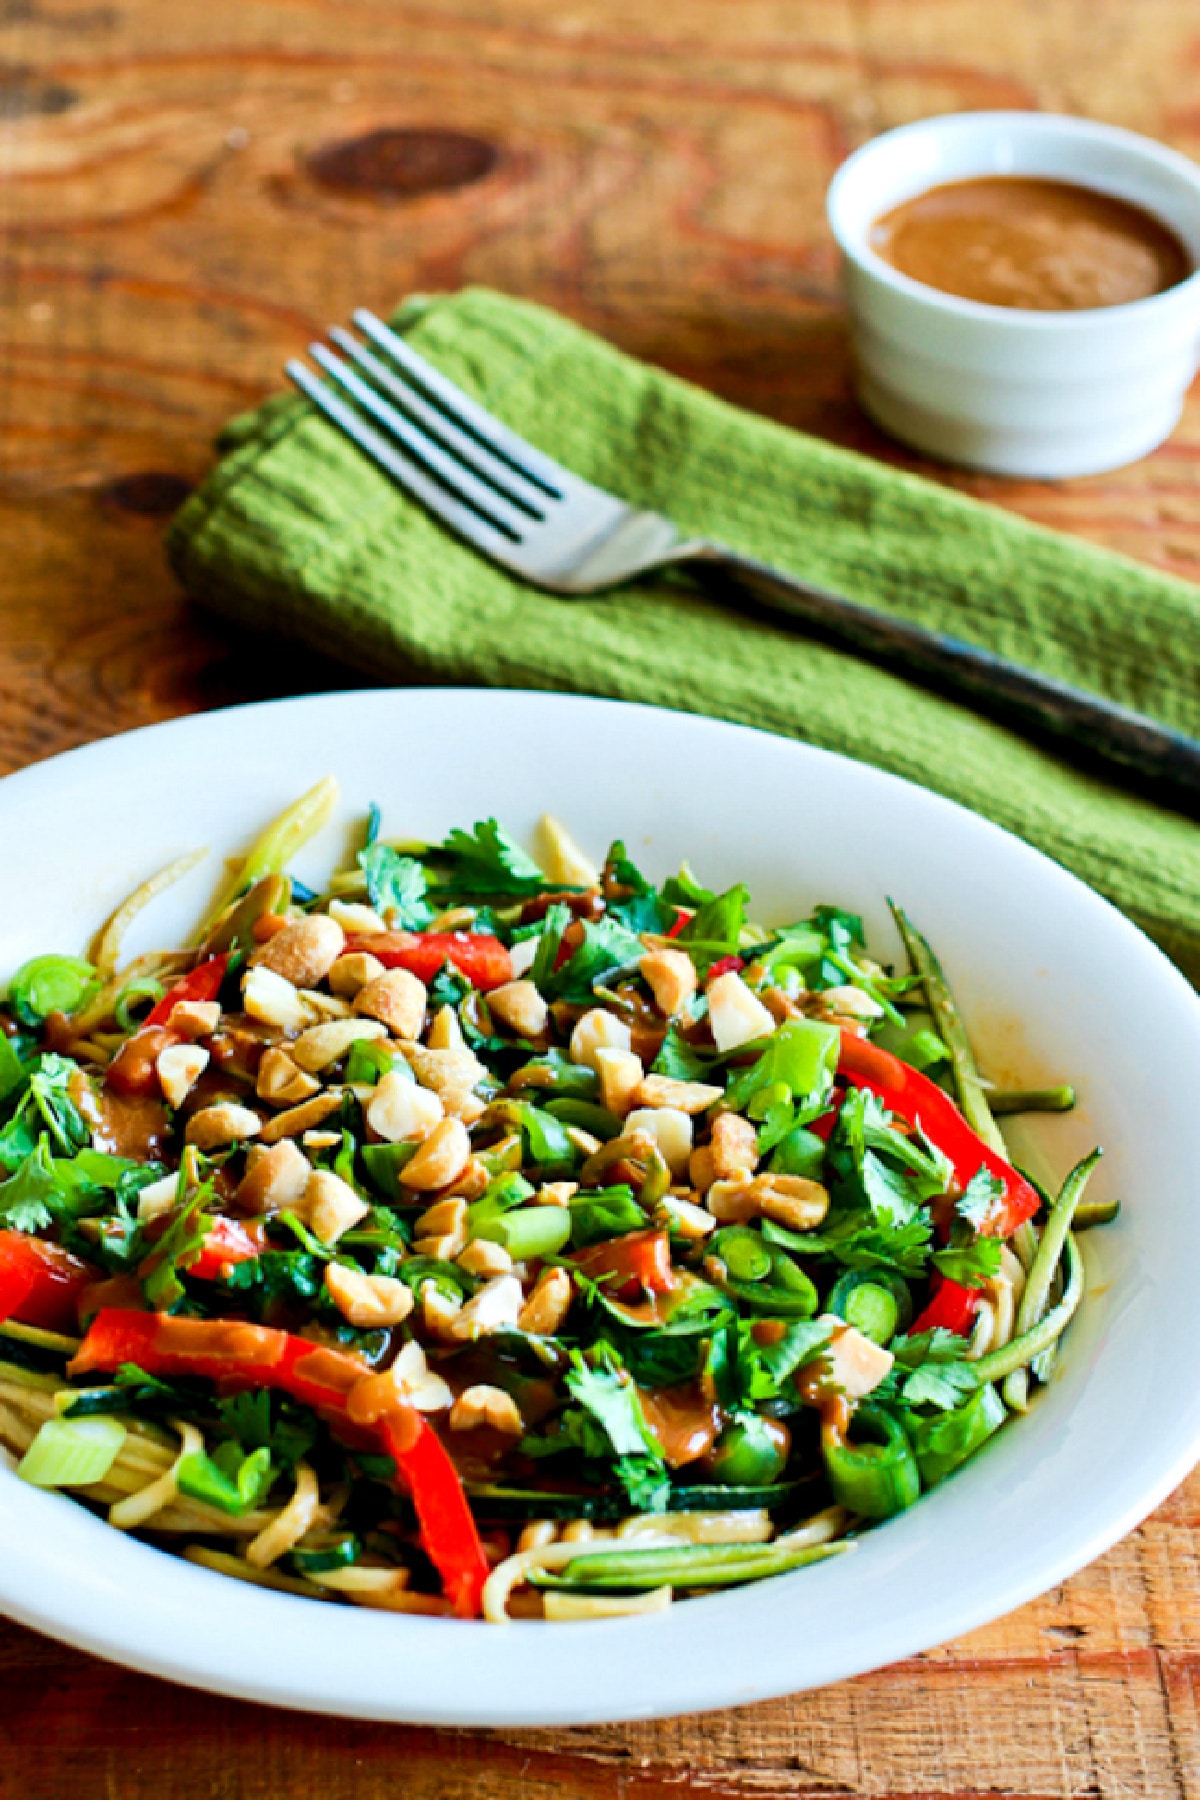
(1027,242)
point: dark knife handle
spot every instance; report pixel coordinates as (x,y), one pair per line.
(991,683)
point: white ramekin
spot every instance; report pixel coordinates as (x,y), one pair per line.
(1018,392)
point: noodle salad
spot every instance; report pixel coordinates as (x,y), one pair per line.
(495,1237)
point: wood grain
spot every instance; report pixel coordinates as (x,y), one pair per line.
(187,191)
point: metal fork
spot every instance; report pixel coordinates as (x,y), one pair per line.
(556,531)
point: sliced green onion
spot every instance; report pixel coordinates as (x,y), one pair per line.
(529,1232)
(133,992)
(49,984)
(72,1452)
(338,1551)
(875,1478)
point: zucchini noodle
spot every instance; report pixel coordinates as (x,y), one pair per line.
(106,946)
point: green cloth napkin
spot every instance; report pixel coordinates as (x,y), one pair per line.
(296,532)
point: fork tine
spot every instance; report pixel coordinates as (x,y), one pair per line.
(445,468)
(462,445)
(489,535)
(548,475)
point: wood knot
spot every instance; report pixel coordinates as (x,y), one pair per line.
(152,493)
(403,162)
(24,94)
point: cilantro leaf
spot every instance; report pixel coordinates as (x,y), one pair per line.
(607,950)
(397,886)
(854,1241)
(677,1059)
(607,1394)
(979,1197)
(487,861)
(29,1199)
(931,1369)
(972,1265)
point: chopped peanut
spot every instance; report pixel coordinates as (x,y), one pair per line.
(702,1170)
(671,1131)
(322,1045)
(441,1231)
(671,977)
(304,951)
(598,1030)
(734,1146)
(555,1193)
(397,998)
(849,1002)
(451,1074)
(355,916)
(548,1305)
(788,1199)
(683,1218)
(226,1123)
(281,1082)
(275,1179)
(353,971)
(485,1259)
(367,1301)
(620,1073)
(735,1015)
(483,1405)
(416,1383)
(495,1307)
(301,1118)
(519,1006)
(179,1068)
(195,1018)
(445,1033)
(332,1205)
(439,1310)
(686,1096)
(399,1109)
(272,1000)
(441,1159)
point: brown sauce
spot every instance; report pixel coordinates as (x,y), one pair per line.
(130,1125)
(681,1421)
(1019,241)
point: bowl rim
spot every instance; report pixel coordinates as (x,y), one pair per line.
(1013,319)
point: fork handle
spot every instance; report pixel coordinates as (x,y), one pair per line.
(999,687)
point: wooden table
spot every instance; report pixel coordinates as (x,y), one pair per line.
(190,189)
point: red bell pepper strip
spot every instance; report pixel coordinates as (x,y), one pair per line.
(681,919)
(448,1531)
(630,1266)
(723,966)
(227,1242)
(203,983)
(951,1307)
(242,1355)
(40,1283)
(920,1102)
(483,959)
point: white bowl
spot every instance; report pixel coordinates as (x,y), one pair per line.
(1054,984)
(1018,392)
